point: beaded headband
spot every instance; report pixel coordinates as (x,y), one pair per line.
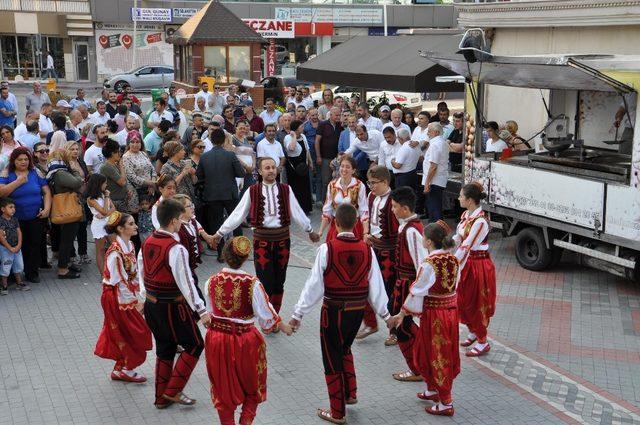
(114,218)
(443,224)
(241,246)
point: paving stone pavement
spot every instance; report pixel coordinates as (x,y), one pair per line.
(565,350)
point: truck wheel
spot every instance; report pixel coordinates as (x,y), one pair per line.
(531,252)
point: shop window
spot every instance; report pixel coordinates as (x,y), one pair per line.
(215,63)
(27,57)
(9,56)
(239,63)
(54,45)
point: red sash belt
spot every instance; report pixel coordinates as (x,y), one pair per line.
(479,254)
(346,305)
(449,301)
(229,327)
(271,235)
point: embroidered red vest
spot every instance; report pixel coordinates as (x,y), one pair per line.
(348,264)
(158,278)
(387,219)
(352,193)
(128,261)
(469,224)
(192,243)
(256,211)
(404,263)
(446,267)
(231,295)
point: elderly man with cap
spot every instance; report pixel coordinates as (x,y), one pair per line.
(385,114)
(63,107)
(256,124)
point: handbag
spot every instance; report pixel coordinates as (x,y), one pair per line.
(301,169)
(66,208)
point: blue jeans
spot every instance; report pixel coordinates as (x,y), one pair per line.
(50,73)
(434,203)
(11,262)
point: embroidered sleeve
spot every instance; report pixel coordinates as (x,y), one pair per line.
(327,208)
(266,316)
(378,298)
(363,205)
(478,232)
(424,281)
(179,263)
(416,248)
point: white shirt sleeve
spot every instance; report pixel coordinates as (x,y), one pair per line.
(154,217)
(143,292)
(313,290)
(238,215)
(382,156)
(401,154)
(117,273)
(298,215)
(352,147)
(378,298)
(265,315)
(416,249)
(179,264)
(327,208)
(363,204)
(477,234)
(424,281)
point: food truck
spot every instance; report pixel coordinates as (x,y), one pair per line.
(579,190)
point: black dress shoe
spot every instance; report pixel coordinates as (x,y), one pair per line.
(70,275)
(33,278)
(75,268)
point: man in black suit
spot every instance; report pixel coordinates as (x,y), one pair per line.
(217,171)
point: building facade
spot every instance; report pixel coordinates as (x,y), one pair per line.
(29,29)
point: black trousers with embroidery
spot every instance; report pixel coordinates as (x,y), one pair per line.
(338,329)
(271,259)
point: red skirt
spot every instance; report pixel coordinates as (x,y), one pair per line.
(436,351)
(125,336)
(237,367)
(358,231)
(477,290)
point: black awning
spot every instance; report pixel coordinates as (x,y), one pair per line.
(387,63)
(565,72)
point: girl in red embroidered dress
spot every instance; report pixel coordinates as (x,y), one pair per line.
(346,189)
(125,336)
(234,349)
(432,296)
(477,288)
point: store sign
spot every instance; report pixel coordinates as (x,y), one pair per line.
(184,12)
(271,28)
(147,14)
(270,59)
(372,15)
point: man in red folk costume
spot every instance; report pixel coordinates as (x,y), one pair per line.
(270,206)
(477,288)
(125,336)
(410,254)
(347,275)
(167,285)
(433,297)
(235,351)
(383,237)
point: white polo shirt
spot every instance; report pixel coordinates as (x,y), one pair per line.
(372,123)
(268,149)
(408,157)
(438,153)
(387,153)
(420,135)
(156,117)
(270,118)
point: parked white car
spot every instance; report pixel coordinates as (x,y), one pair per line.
(143,78)
(410,100)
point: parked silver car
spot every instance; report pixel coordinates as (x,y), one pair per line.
(142,78)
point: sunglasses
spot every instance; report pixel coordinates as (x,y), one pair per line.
(42,151)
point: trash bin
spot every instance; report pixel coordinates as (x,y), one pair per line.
(156,93)
(209,80)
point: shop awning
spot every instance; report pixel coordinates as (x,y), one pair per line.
(566,72)
(389,63)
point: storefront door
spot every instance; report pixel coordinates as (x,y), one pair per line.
(82,61)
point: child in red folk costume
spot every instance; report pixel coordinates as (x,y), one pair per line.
(170,294)
(271,207)
(346,274)
(477,288)
(383,238)
(346,189)
(125,336)
(410,254)
(235,350)
(433,297)
(190,233)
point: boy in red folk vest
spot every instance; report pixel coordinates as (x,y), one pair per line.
(433,297)
(410,254)
(383,238)
(166,283)
(346,276)
(270,206)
